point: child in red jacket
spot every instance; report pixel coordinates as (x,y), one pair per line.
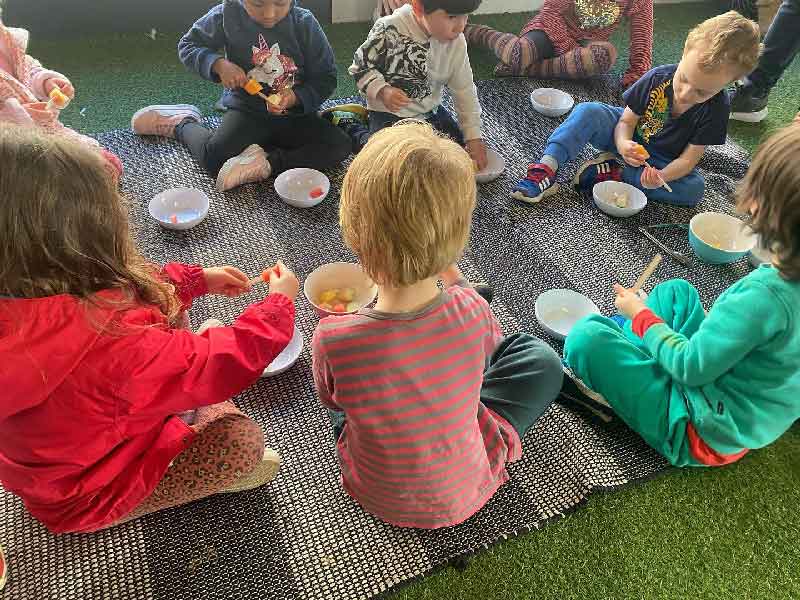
(94,367)
(569,39)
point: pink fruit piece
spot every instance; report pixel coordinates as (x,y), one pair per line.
(339,308)
(316,192)
(174,219)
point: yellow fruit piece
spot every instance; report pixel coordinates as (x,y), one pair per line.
(347,294)
(274,99)
(58,98)
(328,296)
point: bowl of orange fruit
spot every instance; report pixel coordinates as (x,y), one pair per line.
(339,288)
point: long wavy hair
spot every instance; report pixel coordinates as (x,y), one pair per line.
(64,227)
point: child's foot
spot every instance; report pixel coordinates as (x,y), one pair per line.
(603,167)
(574,390)
(265,471)
(747,106)
(250,166)
(162,119)
(539,183)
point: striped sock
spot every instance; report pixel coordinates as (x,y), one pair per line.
(516,52)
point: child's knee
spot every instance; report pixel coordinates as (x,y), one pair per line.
(586,335)
(604,55)
(672,290)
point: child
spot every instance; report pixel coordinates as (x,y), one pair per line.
(434,399)
(703,390)
(568,39)
(284,49)
(25,86)
(402,68)
(674,112)
(93,368)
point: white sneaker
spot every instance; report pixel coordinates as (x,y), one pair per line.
(161,119)
(264,472)
(250,166)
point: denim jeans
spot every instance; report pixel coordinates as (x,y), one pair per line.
(781,45)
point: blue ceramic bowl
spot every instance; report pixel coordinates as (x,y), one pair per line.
(719,239)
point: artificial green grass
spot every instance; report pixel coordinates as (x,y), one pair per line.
(721,533)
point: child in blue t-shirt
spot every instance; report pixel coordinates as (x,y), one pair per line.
(673,112)
(283,48)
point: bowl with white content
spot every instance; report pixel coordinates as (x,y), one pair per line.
(551,102)
(719,239)
(618,199)
(179,208)
(495,166)
(288,357)
(558,310)
(302,187)
(339,288)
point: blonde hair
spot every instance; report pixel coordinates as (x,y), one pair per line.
(64,227)
(772,183)
(727,40)
(406,204)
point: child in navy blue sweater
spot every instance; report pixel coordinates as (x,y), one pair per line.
(283,48)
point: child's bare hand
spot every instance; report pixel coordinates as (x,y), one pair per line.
(230,75)
(288,100)
(226,281)
(393,98)
(283,281)
(628,302)
(477,152)
(651,178)
(61,84)
(630,153)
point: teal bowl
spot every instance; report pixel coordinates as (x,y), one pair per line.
(719,239)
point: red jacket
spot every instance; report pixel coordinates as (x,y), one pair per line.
(87,418)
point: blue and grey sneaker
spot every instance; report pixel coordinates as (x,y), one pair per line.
(537,185)
(603,167)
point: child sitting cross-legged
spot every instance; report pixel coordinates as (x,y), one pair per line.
(672,113)
(111,408)
(429,400)
(705,389)
(408,59)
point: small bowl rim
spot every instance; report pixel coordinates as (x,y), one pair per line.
(637,193)
(538,315)
(187,224)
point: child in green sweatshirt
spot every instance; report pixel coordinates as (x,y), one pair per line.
(704,390)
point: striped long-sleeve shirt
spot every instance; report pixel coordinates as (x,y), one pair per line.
(418,449)
(568,22)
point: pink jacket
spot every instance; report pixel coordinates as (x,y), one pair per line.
(22,87)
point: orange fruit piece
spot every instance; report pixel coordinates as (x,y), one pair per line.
(316,192)
(253,87)
(339,308)
(642,152)
(174,219)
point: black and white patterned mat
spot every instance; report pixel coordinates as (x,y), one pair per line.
(301,536)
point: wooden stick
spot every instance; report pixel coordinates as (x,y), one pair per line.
(647,273)
(663,183)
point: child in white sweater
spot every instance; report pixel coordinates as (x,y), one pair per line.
(402,68)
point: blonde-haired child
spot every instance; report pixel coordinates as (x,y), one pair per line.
(429,400)
(703,390)
(25,86)
(672,113)
(93,366)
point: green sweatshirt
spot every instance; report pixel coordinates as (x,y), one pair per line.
(740,373)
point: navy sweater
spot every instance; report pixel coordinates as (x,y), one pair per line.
(294,53)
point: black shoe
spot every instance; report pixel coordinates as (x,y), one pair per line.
(574,390)
(484,290)
(746,106)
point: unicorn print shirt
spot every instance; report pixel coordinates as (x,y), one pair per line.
(704,124)
(293,54)
(398,52)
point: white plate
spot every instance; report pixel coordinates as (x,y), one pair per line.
(603,193)
(551,102)
(294,187)
(495,165)
(288,357)
(559,309)
(179,208)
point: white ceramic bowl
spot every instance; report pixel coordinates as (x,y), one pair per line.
(603,194)
(339,275)
(495,165)
(559,309)
(288,357)
(719,239)
(551,102)
(295,185)
(179,208)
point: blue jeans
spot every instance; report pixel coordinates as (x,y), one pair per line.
(593,123)
(440,119)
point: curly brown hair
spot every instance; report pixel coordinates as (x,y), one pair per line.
(64,227)
(771,192)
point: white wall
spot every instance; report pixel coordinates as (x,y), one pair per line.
(348,11)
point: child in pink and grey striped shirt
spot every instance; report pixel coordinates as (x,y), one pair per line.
(429,398)
(24,89)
